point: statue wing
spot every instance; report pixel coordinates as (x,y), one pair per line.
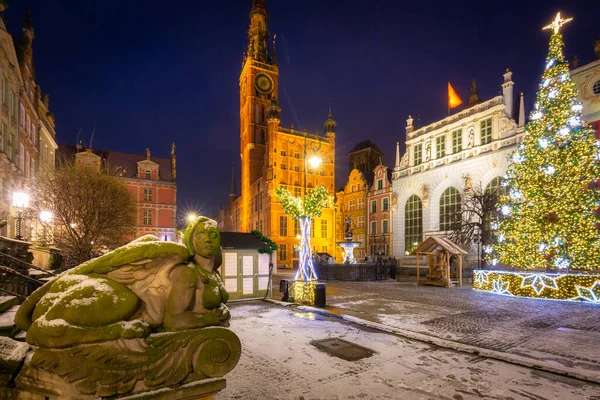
(144,266)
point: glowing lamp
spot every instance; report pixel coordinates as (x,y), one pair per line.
(314,161)
(20,200)
(46,216)
(191,217)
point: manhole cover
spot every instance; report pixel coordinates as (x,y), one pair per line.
(343,349)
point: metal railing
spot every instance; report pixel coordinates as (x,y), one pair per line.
(14,276)
(355,272)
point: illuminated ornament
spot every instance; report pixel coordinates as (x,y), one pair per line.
(500,287)
(516,194)
(564,77)
(481,277)
(562,263)
(542,247)
(494,261)
(574,121)
(539,282)
(544,143)
(556,241)
(577,108)
(494,225)
(553,94)
(591,294)
(505,210)
(518,158)
(536,115)
(546,82)
(564,131)
(549,63)
(549,170)
(488,249)
(501,237)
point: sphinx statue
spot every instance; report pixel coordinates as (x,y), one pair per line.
(135,317)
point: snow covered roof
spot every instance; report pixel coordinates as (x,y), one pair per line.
(433,242)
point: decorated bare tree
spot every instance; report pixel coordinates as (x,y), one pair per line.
(92,210)
(304,210)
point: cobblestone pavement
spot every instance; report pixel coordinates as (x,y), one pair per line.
(566,333)
(280,361)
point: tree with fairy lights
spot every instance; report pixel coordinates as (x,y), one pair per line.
(304,210)
(548,218)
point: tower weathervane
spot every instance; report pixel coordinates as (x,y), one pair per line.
(557,23)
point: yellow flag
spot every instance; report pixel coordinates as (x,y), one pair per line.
(453,99)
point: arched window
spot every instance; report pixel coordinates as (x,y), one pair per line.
(413,223)
(492,194)
(449,209)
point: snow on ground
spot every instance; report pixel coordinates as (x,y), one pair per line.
(278,362)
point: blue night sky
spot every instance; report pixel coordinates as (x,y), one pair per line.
(147,73)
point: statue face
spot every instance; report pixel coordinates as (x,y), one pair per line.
(207,240)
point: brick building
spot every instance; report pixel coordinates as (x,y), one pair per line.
(149,180)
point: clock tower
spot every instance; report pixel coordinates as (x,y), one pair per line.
(258,87)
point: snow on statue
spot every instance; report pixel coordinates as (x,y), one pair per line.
(99,319)
(127,293)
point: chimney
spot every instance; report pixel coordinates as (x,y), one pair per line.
(507,92)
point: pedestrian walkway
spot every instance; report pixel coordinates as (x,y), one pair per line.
(565,335)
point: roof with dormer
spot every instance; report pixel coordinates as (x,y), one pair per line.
(127,162)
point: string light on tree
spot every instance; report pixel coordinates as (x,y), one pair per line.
(548,217)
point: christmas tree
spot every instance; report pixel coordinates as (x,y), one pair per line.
(549,216)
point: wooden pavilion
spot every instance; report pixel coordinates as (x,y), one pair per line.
(439,252)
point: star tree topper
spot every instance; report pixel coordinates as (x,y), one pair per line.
(557,23)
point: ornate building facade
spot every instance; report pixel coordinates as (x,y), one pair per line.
(351,202)
(379,215)
(27,130)
(587,79)
(447,158)
(273,156)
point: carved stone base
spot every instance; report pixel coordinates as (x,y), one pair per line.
(173,365)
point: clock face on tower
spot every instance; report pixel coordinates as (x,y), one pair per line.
(263,83)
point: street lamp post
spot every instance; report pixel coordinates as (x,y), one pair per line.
(45,218)
(20,201)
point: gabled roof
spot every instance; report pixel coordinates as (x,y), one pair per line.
(434,242)
(127,161)
(241,241)
(365,145)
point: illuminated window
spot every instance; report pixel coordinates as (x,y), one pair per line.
(147,194)
(492,192)
(351,205)
(418,154)
(147,217)
(360,203)
(457,141)
(450,203)
(440,146)
(282,225)
(282,252)
(413,223)
(486,131)
(324,228)
(296,227)
(361,221)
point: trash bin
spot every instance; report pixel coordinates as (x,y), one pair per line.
(320,294)
(284,288)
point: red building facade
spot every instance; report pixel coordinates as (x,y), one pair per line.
(379,214)
(151,182)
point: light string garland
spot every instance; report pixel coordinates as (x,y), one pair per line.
(548,218)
